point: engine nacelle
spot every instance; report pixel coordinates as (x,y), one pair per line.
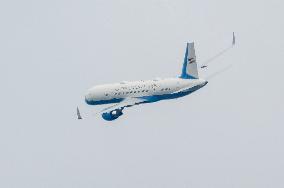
(110,116)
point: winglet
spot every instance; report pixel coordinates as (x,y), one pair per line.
(234,39)
(78,114)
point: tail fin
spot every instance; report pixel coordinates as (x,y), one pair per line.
(189,69)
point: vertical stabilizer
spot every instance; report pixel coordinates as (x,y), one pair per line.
(189,69)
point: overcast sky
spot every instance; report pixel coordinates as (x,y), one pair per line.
(228,134)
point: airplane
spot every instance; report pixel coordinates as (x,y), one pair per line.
(127,94)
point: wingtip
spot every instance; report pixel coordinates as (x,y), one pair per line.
(234,39)
(79,114)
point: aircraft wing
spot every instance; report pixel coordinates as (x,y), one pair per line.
(125,103)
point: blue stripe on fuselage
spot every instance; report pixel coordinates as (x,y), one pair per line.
(90,102)
(150,99)
(155,98)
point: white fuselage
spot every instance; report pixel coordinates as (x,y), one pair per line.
(112,93)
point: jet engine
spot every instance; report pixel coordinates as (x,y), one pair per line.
(112,115)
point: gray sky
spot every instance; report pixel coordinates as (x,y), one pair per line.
(228,134)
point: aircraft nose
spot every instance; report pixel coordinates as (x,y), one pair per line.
(88,98)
